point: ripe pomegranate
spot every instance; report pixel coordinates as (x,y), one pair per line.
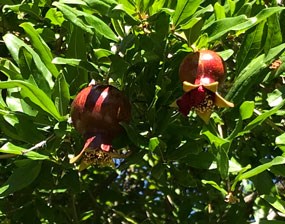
(96,113)
(204,66)
(201,72)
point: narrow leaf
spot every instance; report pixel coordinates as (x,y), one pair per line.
(276,161)
(36,95)
(238,23)
(251,46)
(275,202)
(184,10)
(250,75)
(61,94)
(10,148)
(14,44)
(215,185)
(40,47)
(72,15)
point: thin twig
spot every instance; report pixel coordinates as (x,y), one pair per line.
(38,145)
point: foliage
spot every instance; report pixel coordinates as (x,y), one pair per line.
(180,170)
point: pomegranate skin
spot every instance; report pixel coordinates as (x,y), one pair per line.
(99,109)
(202,67)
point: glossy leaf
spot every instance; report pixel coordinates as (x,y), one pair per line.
(251,46)
(40,47)
(250,75)
(35,94)
(61,95)
(73,16)
(14,44)
(103,6)
(274,34)
(56,17)
(88,66)
(153,143)
(280,142)
(246,109)
(184,10)
(261,118)
(30,72)
(275,202)
(16,150)
(215,185)
(259,169)
(9,69)
(222,26)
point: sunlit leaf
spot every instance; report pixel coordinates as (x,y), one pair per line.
(275,202)
(40,47)
(35,94)
(246,109)
(184,10)
(16,150)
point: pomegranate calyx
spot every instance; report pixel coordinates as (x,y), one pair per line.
(201,98)
(93,150)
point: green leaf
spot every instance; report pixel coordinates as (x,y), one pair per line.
(251,46)
(61,94)
(55,16)
(223,161)
(14,44)
(103,6)
(238,23)
(10,148)
(184,10)
(261,118)
(220,12)
(257,170)
(215,140)
(153,143)
(250,75)
(72,15)
(36,95)
(280,141)
(274,98)
(100,27)
(275,202)
(30,72)
(20,126)
(246,109)
(215,185)
(9,69)
(86,65)
(274,33)
(21,177)
(40,47)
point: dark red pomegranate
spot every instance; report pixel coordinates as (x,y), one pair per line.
(201,72)
(204,66)
(96,113)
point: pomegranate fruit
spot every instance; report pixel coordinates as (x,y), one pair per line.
(204,66)
(96,113)
(201,72)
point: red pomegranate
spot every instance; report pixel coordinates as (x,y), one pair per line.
(96,113)
(201,72)
(202,67)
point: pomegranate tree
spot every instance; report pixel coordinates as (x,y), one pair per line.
(96,113)
(201,72)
